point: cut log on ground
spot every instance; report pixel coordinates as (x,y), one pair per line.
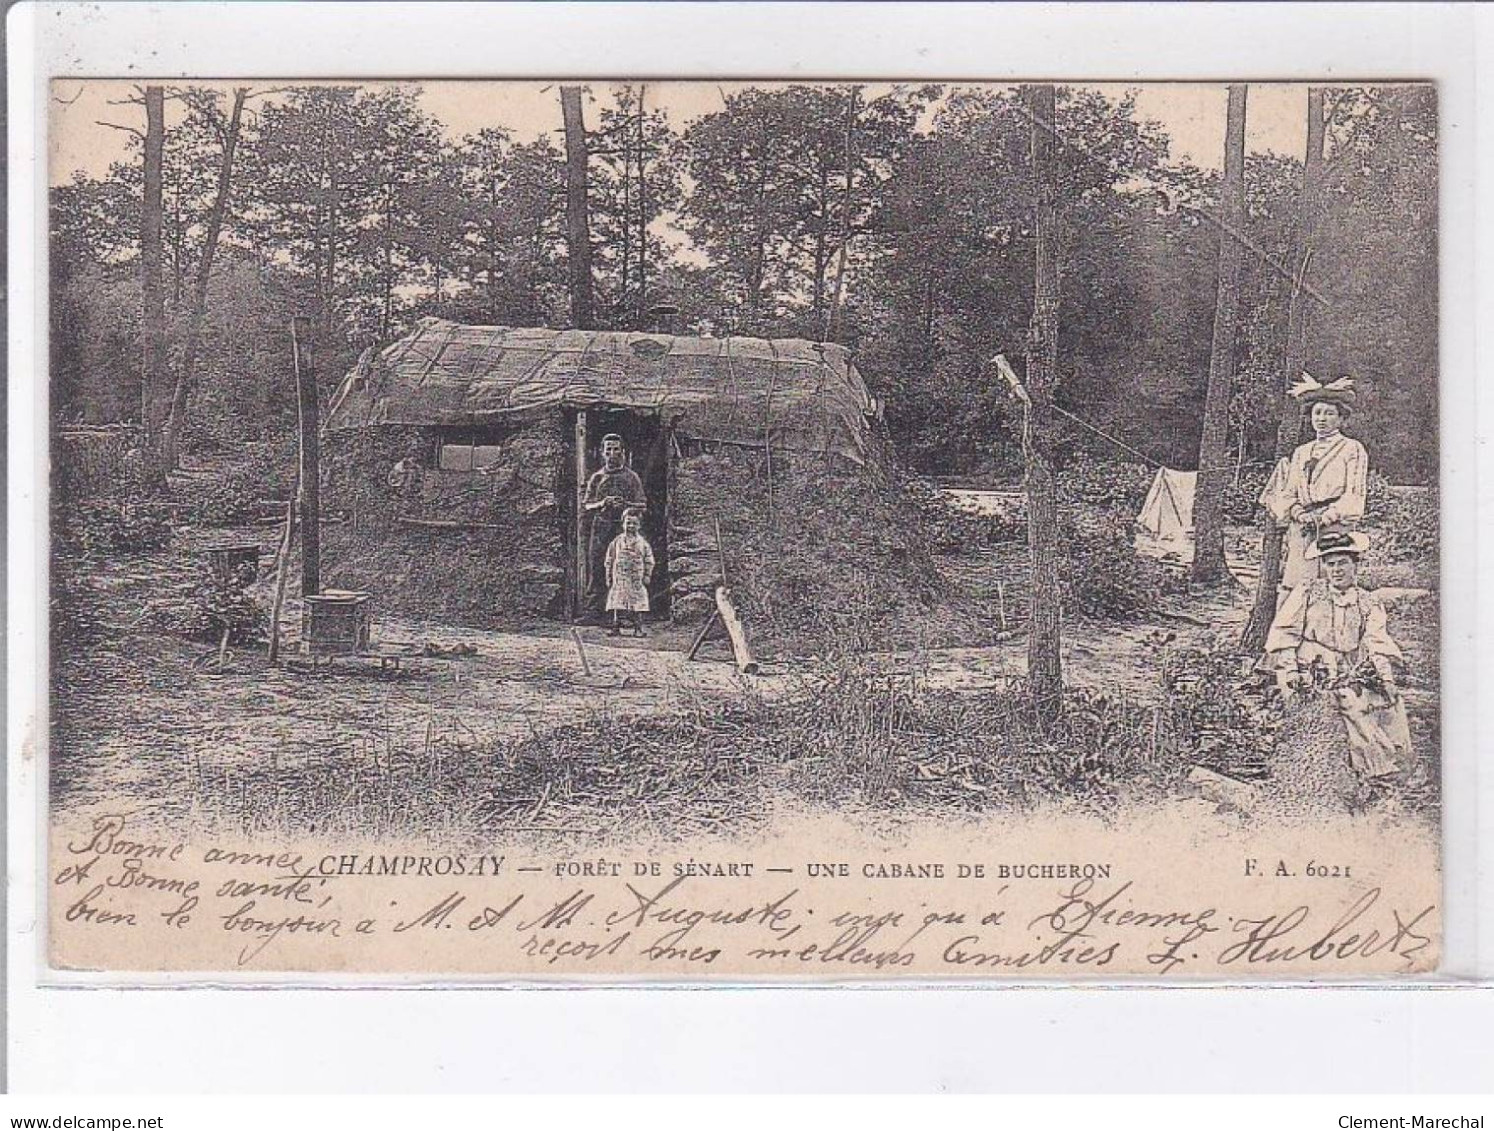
(739,648)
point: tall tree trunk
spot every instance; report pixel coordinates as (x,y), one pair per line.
(624,291)
(821,254)
(1213,473)
(577,223)
(329,232)
(318,255)
(153,308)
(1044,663)
(309,475)
(178,249)
(329,315)
(845,217)
(1289,427)
(386,316)
(642,215)
(758,268)
(177,422)
(493,232)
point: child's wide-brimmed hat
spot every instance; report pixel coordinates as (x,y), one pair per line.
(1310,391)
(1339,542)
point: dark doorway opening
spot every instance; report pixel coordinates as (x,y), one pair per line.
(646,444)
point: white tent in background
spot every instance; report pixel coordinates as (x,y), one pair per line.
(1167,514)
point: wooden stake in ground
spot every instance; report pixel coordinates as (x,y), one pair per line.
(1044,662)
(700,637)
(1299,313)
(582,565)
(306,411)
(1213,473)
(577,222)
(720,549)
(282,567)
(580,651)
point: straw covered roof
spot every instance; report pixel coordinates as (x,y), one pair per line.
(806,396)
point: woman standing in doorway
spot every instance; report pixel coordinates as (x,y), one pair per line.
(1321,488)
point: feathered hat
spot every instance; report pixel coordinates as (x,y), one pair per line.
(1309,390)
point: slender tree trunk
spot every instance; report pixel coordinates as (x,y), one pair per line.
(153,315)
(386,317)
(643,216)
(1299,317)
(329,316)
(1044,663)
(577,223)
(758,269)
(493,251)
(821,254)
(627,225)
(329,233)
(177,422)
(178,251)
(1213,473)
(318,254)
(845,217)
(309,476)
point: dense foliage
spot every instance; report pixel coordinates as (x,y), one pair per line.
(896,219)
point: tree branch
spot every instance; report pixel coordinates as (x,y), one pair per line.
(122,129)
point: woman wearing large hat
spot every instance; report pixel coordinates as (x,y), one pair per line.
(1321,488)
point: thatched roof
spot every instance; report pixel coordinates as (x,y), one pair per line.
(806,396)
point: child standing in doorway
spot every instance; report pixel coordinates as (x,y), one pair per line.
(630,564)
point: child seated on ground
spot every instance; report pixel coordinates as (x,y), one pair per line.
(630,563)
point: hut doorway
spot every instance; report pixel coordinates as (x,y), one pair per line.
(646,442)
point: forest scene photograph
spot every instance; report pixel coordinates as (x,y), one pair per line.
(577,461)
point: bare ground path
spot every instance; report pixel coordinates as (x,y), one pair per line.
(141,708)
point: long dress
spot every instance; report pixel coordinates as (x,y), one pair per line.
(630,563)
(1341,638)
(1329,479)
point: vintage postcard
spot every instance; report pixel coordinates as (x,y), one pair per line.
(753,532)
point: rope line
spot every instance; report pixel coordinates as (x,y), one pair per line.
(1125,447)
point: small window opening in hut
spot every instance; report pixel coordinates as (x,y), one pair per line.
(467,450)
